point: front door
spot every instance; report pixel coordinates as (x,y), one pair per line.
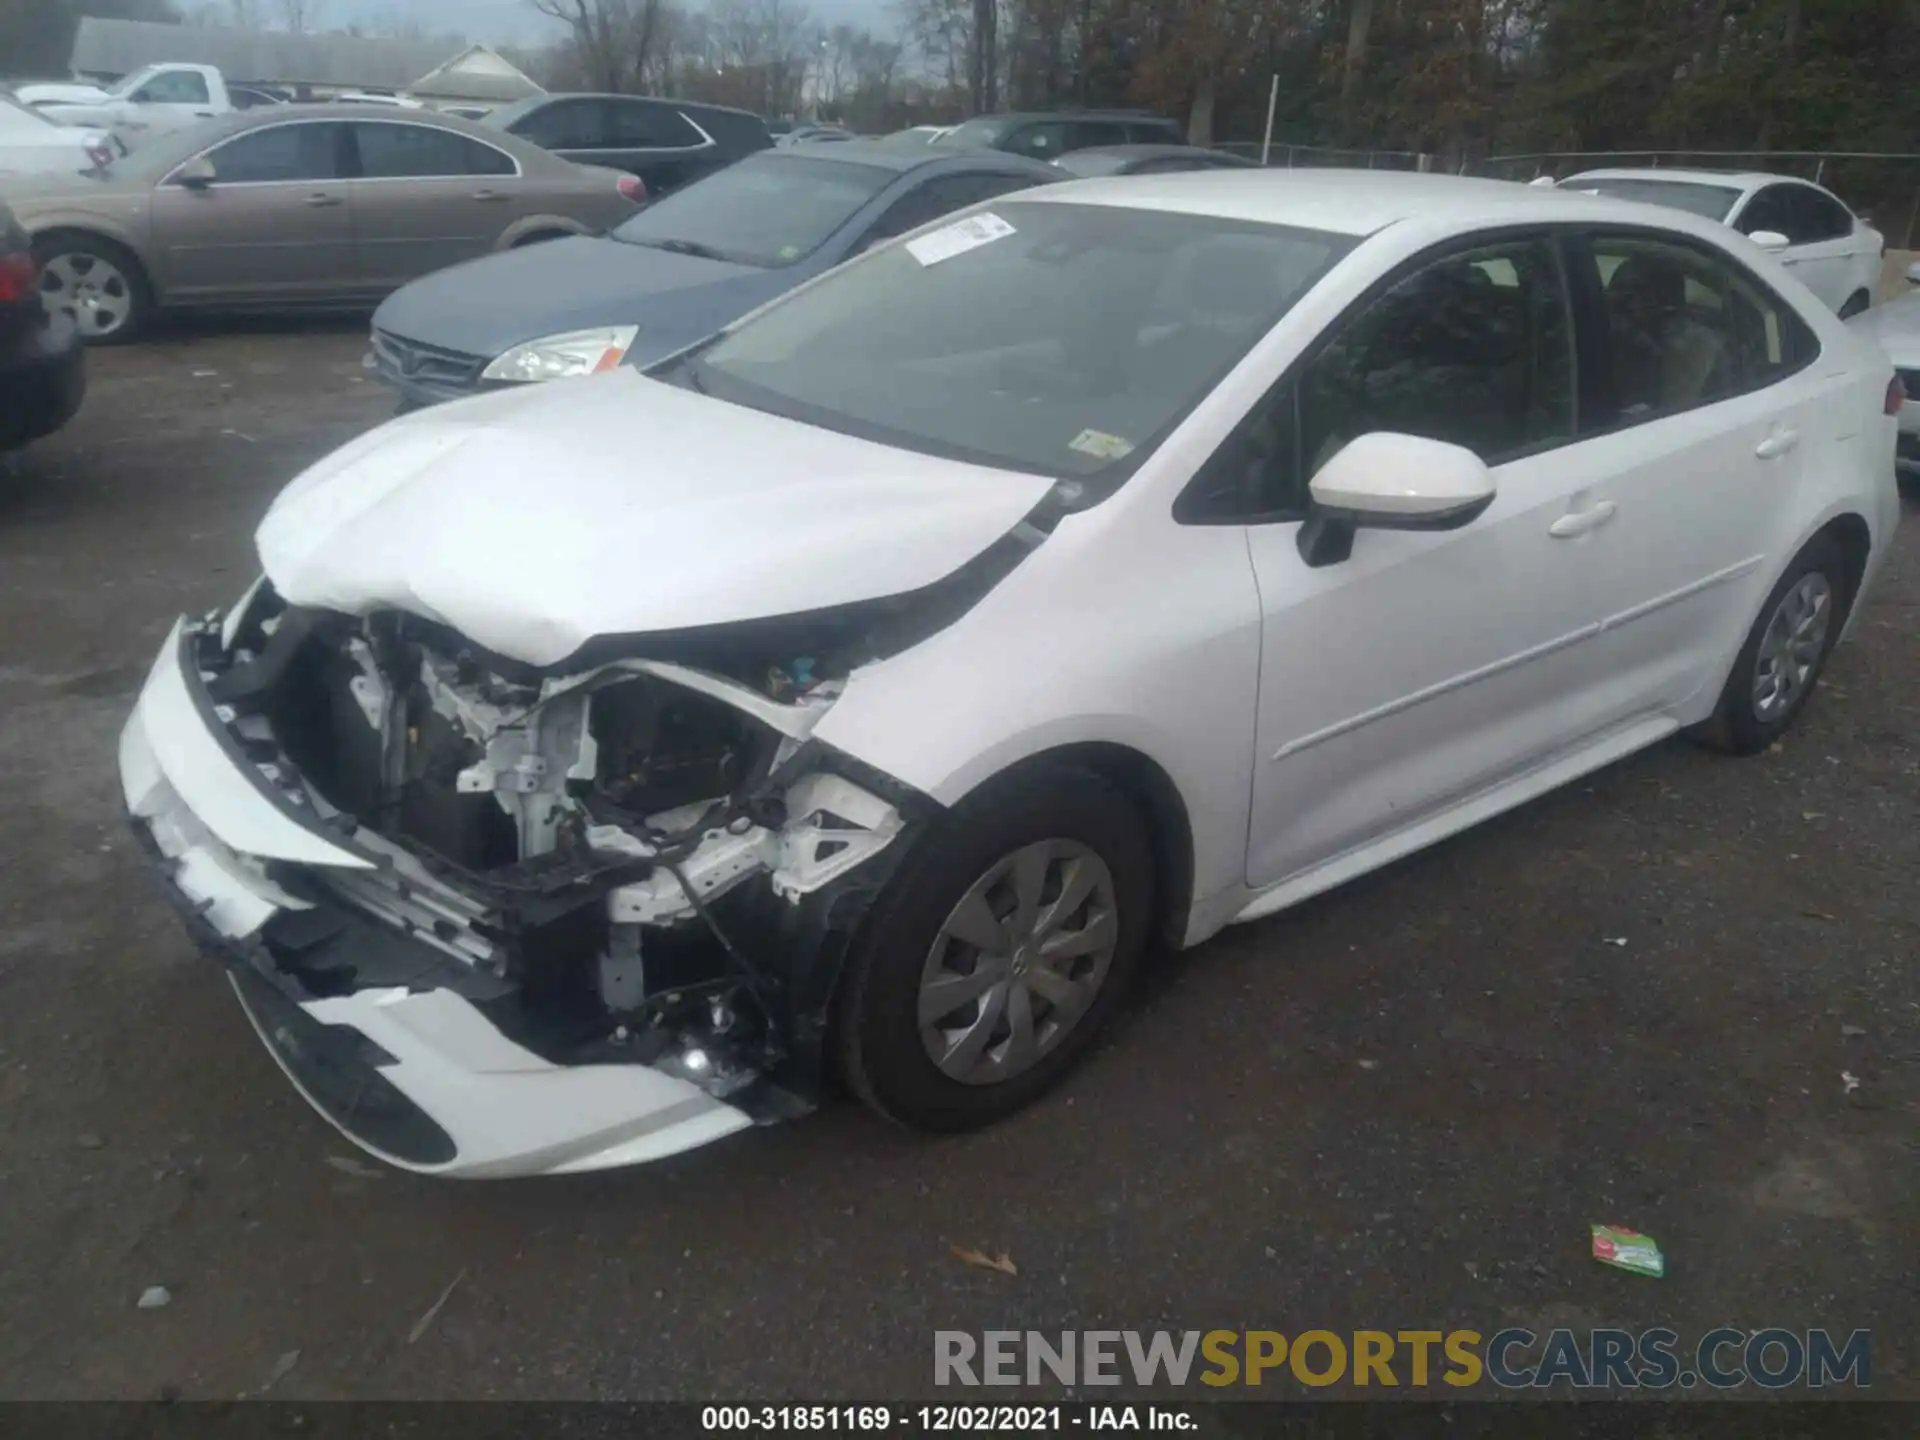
(273,226)
(425,198)
(1428,667)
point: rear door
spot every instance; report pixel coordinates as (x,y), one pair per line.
(658,143)
(425,198)
(275,224)
(1704,422)
(1085,134)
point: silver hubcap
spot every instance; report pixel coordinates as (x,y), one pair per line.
(1018,962)
(95,291)
(1796,637)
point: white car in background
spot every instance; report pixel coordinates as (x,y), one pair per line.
(1833,252)
(31,144)
(599,766)
(1895,328)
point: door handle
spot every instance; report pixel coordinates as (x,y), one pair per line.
(320,202)
(488,195)
(1579,522)
(1777,444)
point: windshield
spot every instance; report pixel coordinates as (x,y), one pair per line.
(1711,202)
(979,133)
(766,210)
(1055,338)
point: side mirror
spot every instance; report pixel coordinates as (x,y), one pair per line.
(1772,241)
(1913,273)
(197,174)
(1385,481)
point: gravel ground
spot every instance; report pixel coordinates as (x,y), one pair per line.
(1398,1106)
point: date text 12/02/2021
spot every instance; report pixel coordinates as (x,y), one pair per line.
(935,1419)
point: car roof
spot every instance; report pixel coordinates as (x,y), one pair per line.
(1735,179)
(534,102)
(1352,202)
(1151,152)
(902,158)
(1025,115)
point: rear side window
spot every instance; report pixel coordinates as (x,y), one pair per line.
(637,125)
(1685,328)
(280,154)
(1155,132)
(392,152)
(565,125)
(1087,133)
(176,87)
(1771,209)
(1043,140)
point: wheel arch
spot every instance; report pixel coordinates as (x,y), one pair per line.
(1850,531)
(535,228)
(1163,810)
(89,228)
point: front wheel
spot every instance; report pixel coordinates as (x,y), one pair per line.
(100,283)
(1785,652)
(993,959)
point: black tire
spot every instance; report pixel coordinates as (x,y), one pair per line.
(1856,302)
(877,1026)
(56,245)
(1737,726)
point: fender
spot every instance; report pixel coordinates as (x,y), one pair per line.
(539,225)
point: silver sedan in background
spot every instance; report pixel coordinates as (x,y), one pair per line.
(297,207)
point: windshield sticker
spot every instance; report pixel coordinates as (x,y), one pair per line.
(1100,445)
(958,238)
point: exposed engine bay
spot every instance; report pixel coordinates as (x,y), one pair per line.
(637,860)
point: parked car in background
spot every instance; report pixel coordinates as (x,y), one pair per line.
(1146,160)
(379,97)
(667,143)
(154,97)
(1833,252)
(252,97)
(43,374)
(814,134)
(917,135)
(31,144)
(298,207)
(1046,136)
(866,690)
(1895,328)
(676,272)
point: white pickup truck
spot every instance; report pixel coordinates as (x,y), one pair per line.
(155,97)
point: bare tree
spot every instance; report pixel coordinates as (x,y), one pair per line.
(612,39)
(300,16)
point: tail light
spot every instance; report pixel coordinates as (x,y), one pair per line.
(19,278)
(1896,395)
(100,153)
(633,188)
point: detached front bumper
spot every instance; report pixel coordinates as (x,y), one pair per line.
(406,1048)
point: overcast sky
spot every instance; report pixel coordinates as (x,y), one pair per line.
(517,22)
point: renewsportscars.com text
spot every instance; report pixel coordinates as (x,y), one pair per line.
(1514,1358)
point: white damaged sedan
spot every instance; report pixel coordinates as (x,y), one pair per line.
(601,768)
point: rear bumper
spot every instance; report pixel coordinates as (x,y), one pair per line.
(43,379)
(409,1050)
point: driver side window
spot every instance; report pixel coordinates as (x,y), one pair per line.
(1474,348)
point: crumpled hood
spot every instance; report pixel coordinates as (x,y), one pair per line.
(533,520)
(489,305)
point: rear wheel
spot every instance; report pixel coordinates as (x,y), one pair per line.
(996,955)
(1784,653)
(95,280)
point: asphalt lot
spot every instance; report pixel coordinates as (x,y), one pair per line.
(1399,1106)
